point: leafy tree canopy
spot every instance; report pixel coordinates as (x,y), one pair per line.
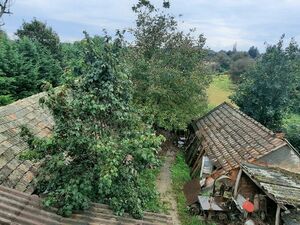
(266,89)
(98,136)
(167,66)
(40,32)
(24,66)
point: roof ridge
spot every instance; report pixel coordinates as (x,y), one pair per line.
(209,112)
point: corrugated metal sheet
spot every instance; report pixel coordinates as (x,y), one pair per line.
(229,137)
(15,173)
(282,185)
(24,209)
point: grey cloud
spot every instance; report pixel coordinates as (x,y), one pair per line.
(223,22)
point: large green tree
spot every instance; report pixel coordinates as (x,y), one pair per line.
(266,89)
(9,65)
(167,66)
(43,34)
(26,82)
(98,137)
(24,66)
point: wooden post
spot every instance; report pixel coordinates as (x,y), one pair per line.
(237,182)
(277,221)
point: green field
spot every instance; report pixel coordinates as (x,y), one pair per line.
(220,89)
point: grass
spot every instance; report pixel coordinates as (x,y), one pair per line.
(149,178)
(292,119)
(220,90)
(180,175)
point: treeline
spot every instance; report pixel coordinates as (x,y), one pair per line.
(27,62)
(233,62)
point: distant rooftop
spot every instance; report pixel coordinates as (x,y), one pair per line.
(15,173)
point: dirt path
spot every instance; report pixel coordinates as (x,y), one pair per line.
(164,183)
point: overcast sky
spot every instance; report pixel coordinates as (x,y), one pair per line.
(223,22)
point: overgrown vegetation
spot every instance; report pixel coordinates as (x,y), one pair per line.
(181,175)
(291,127)
(267,90)
(99,136)
(168,71)
(24,66)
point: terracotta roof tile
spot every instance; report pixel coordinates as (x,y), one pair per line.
(230,137)
(14,172)
(24,209)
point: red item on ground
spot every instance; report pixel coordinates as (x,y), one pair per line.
(248,206)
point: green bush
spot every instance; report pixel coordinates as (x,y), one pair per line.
(5,99)
(181,175)
(291,128)
(100,148)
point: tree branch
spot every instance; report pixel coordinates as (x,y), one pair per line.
(4,8)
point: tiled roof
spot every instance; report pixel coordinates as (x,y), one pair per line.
(14,172)
(283,186)
(23,209)
(229,137)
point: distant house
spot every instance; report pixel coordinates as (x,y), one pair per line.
(17,204)
(225,137)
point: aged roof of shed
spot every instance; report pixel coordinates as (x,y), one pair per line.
(293,218)
(283,186)
(20,208)
(14,172)
(229,137)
